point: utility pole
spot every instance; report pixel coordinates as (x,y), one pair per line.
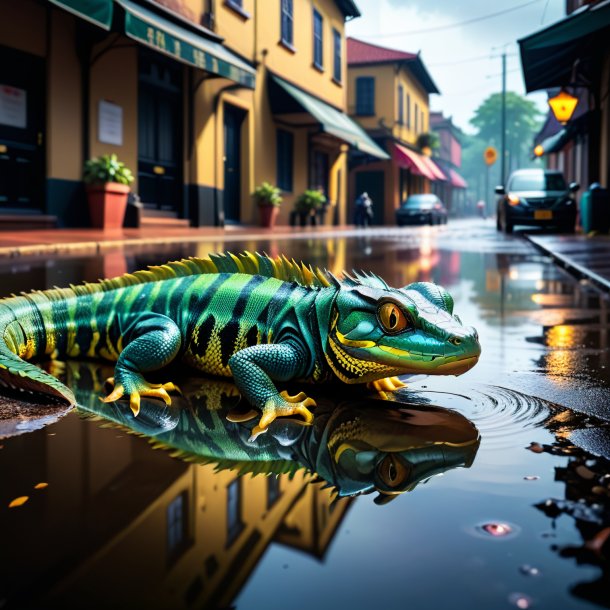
(503,123)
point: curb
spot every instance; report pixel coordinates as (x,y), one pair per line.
(571,266)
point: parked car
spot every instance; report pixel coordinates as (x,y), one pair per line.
(537,197)
(421,209)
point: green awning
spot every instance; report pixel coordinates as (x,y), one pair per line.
(98,12)
(287,99)
(548,56)
(161,34)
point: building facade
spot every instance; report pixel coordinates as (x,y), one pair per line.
(180,91)
(389,96)
(448,157)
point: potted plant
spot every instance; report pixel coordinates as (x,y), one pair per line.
(107,183)
(268,199)
(307,204)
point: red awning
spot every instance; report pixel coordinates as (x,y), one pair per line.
(456,180)
(413,161)
(435,169)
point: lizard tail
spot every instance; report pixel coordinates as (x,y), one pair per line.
(18,373)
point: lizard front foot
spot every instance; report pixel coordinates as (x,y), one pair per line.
(135,386)
(284,405)
(388,384)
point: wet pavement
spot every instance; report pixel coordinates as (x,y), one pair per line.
(502,497)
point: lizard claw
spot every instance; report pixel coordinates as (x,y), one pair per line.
(152,390)
(389,384)
(289,405)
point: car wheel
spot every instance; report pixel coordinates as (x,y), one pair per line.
(567,228)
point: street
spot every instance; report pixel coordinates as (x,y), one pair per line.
(524,522)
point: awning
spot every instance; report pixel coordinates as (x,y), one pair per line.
(98,12)
(438,173)
(548,56)
(413,161)
(161,34)
(287,99)
(456,180)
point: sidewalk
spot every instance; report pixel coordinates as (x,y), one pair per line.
(55,241)
(588,257)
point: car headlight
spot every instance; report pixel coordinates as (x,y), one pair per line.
(513,199)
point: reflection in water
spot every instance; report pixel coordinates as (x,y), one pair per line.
(356,445)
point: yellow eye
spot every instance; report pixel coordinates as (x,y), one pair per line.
(392,318)
(393,472)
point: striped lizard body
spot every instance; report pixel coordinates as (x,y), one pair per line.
(258,319)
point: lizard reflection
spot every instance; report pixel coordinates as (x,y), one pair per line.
(356,444)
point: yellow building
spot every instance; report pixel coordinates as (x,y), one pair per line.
(202,100)
(388,94)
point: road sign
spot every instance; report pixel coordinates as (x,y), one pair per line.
(490,154)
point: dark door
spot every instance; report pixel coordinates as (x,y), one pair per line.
(160,133)
(22,171)
(319,172)
(232,141)
(373,184)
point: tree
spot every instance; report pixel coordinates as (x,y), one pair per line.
(522,122)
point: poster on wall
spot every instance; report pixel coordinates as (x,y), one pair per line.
(110,123)
(13,106)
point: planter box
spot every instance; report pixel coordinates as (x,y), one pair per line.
(268,215)
(107,203)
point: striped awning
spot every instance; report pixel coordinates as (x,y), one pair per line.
(413,161)
(456,180)
(439,175)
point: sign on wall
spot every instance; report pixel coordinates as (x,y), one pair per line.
(13,106)
(110,123)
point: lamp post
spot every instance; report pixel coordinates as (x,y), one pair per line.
(563,106)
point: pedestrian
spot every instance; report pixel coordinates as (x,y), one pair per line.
(481,208)
(363,212)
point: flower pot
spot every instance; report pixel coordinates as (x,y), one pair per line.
(107,203)
(268,215)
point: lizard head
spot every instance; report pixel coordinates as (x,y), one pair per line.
(377,331)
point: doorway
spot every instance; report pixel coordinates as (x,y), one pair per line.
(22,161)
(160,127)
(373,184)
(233,119)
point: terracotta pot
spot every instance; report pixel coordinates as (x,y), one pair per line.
(269,214)
(107,204)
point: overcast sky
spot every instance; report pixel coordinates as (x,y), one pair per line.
(463,61)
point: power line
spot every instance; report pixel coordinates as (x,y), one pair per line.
(467,60)
(455,25)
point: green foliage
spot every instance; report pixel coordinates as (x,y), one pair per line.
(522,122)
(309,200)
(428,140)
(106,168)
(267,194)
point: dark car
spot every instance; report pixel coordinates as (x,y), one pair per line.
(537,197)
(421,209)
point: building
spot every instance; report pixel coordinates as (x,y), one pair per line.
(448,157)
(389,96)
(574,54)
(202,100)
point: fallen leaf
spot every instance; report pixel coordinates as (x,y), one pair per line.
(41,485)
(18,501)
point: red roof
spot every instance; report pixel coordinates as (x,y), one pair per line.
(359,52)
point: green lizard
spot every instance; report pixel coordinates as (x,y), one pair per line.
(257,319)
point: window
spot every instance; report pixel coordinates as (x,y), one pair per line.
(177,527)
(408,111)
(337,56)
(365,96)
(401,105)
(317,40)
(287,22)
(423,121)
(234,523)
(273,490)
(416,113)
(285,159)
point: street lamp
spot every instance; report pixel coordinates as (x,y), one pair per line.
(563,105)
(538,150)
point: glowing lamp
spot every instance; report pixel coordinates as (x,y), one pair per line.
(513,199)
(563,105)
(427,151)
(538,150)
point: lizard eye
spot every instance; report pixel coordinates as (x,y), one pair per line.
(392,318)
(392,472)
